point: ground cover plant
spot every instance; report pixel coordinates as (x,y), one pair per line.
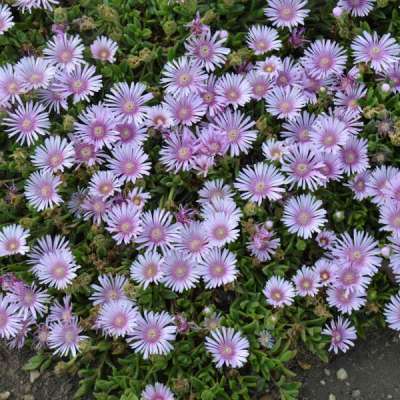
(197,195)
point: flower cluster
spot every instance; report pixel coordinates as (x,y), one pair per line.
(202,122)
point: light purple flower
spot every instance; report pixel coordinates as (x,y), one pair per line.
(262,245)
(279,292)
(262,39)
(259,83)
(269,67)
(357,8)
(109,289)
(10,322)
(81,82)
(260,182)
(158,117)
(359,185)
(193,240)
(304,215)
(41,190)
(158,391)
(306,282)
(96,207)
(27,122)
(221,229)
(65,51)
(54,155)
(127,101)
(185,110)
(354,155)
(181,272)
(104,49)
(285,103)
(345,301)
(298,130)
(104,184)
(379,52)
(158,231)
(147,268)
(342,335)
(153,334)
(213,190)
(227,347)
(13,240)
(53,99)
(183,76)
(117,318)
(207,50)
(326,239)
(378,183)
(325,269)
(61,312)
(11,85)
(138,197)
(65,338)
(233,89)
(218,267)
(34,72)
(286,13)
(392,312)
(6,18)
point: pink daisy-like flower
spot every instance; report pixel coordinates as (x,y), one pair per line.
(54,155)
(350,278)
(109,289)
(380,53)
(328,134)
(226,206)
(298,130)
(221,229)
(183,76)
(361,251)
(378,183)
(158,391)
(290,74)
(326,271)
(359,185)
(259,83)
(207,50)
(303,167)
(131,134)
(236,127)
(391,189)
(274,150)
(211,142)
(357,8)
(61,311)
(158,117)
(269,67)
(123,222)
(326,239)
(193,240)
(345,301)
(153,334)
(279,292)
(147,268)
(128,102)
(65,338)
(304,215)
(53,99)
(13,240)
(34,72)
(138,197)
(104,184)
(262,244)
(233,89)
(342,335)
(213,190)
(18,341)
(392,74)
(27,123)
(324,58)
(158,231)
(262,39)
(349,99)
(6,18)
(117,318)
(41,190)
(218,267)
(104,49)
(354,155)
(65,51)
(392,312)
(46,245)
(227,347)
(97,126)
(209,98)
(81,82)
(286,13)
(86,153)
(181,272)
(179,152)
(332,168)
(10,321)
(390,218)
(95,207)
(30,301)
(129,163)
(285,103)
(185,110)
(262,181)
(56,269)
(306,282)
(11,85)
